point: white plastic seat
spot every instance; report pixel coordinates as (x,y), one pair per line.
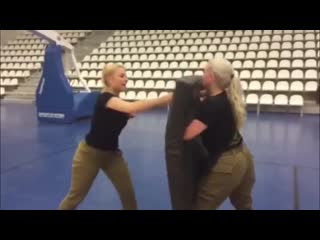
(91,83)
(271,74)
(248,64)
(164,65)
(198,72)
(282,86)
(187,73)
(272,64)
(255,85)
(92,74)
(208,56)
(252,98)
(310,44)
(298,54)
(160,84)
(253,46)
(212,48)
(244,85)
(130,84)
(257,74)
(283,74)
(281,99)
(296,86)
(274,54)
(296,100)
(284,64)
(167,74)
(311,63)
(311,74)
(229,55)
(177,74)
(251,55)
(14,82)
(237,64)
(309,53)
(157,74)
(136,65)
(240,55)
(203,48)
(268,86)
(152,95)
(171,85)
(137,74)
(297,74)
(260,64)
(139,84)
(275,45)
(266,99)
(147,74)
(183,64)
(311,86)
(163,94)
(149,84)
(193,64)
(198,56)
(131,95)
(298,45)
(203,64)
(297,63)
(173,64)
(245,74)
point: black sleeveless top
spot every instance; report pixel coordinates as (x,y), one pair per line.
(106,125)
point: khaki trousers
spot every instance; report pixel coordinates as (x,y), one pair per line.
(233,176)
(86,164)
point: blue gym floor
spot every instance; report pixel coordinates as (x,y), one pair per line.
(36,161)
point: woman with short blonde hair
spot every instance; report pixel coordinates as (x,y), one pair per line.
(100,149)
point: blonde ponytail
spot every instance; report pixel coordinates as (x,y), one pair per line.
(223,72)
(235,96)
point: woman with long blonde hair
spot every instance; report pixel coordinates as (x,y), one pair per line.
(100,149)
(230,169)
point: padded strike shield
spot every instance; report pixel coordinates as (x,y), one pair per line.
(185,160)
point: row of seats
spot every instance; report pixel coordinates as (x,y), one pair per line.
(18,45)
(22,59)
(141,95)
(237,64)
(236,44)
(18,74)
(9,82)
(23,53)
(212,32)
(24,47)
(297,54)
(244,74)
(17,66)
(195,49)
(200,46)
(298,86)
(281,74)
(203,35)
(150,84)
(268,99)
(64,33)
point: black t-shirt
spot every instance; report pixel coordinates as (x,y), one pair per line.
(221,134)
(106,125)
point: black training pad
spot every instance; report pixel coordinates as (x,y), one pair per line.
(184,158)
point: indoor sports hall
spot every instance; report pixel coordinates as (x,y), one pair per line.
(279,74)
